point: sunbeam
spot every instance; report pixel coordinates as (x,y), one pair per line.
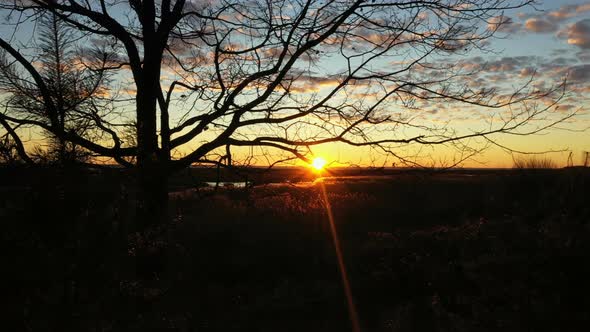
(341,266)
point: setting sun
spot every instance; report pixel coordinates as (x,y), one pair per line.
(318,163)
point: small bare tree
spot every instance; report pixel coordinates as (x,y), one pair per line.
(207,78)
(74,90)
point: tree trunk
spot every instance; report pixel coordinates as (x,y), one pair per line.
(152,208)
(152,181)
(151,169)
(152,195)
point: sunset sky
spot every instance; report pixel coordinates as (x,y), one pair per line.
(548,43)
(553,41)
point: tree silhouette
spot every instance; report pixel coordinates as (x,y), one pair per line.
(204,78)
(74,91)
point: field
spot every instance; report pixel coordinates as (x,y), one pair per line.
(461,250)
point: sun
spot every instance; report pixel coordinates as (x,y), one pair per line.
(318,163)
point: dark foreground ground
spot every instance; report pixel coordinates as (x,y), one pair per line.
(458,251)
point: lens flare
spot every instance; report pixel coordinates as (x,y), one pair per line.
(354,319)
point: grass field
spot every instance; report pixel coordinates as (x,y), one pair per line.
(449,251)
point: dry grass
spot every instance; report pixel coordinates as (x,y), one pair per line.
(534,163)
(444,253)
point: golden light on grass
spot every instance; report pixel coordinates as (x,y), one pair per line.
(318,163)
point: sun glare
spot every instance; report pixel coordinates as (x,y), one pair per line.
(318,163)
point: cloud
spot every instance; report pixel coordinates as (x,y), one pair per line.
(583,55)
(527,72)
(579,73)
(577,34)
(567,107)
(505,64)
(504,24)
(310,83)
(563,13)
(540,25)
(505,71)
(568,11)
(549,22)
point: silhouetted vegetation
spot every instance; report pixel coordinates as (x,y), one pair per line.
(534,162)
(451,251)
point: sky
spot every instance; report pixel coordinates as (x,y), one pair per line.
(554,41)
(549,42)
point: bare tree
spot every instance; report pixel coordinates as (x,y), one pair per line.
(75,92)
(208,77)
